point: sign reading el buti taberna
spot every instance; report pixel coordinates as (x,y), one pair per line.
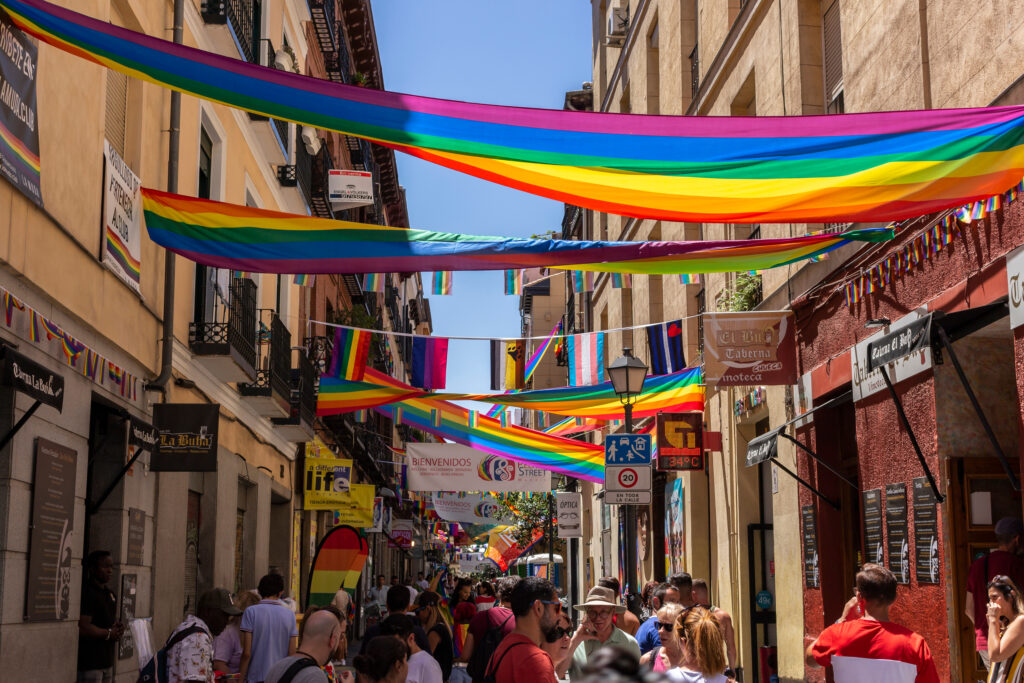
(19,145)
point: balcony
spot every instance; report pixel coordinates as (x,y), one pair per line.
(339,63)
(270,394)
(243,19)
(319,199)
(303,168)
(226,346)
(298,426)
(325,23)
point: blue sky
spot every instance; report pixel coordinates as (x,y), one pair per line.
(496,52)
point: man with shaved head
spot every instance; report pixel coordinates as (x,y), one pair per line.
(320,635)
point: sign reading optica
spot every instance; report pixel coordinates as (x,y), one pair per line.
(453,467)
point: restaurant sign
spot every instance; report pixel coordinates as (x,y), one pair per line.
(33,380)
(752,347)
(188,437)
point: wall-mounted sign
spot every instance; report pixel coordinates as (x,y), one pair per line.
(19,147)
(1015,286)
(749,348)
(349,189)
(453,467)
(48,595)
(809,523)
(129,594)
(327,482)
(868,381)
(355,508)
(899,343)
(122,218)
(33,380)
(136,536)
(680,441)
(896,531)
(762,448)
(926,532)
(377,524)
(188,437)
(569,513)
(874,550)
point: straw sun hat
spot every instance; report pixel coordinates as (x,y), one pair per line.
(601,597)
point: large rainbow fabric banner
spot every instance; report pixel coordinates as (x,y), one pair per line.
(679,392)
(339,561)
(257,240)
(849,167)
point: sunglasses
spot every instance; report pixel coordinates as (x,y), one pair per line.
(558,605)
(561,632)
(662,626)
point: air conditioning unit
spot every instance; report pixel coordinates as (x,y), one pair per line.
(618,19)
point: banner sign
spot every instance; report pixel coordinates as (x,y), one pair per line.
(19,146)
(401,534)
(874,548)
(327,480)
(472,508)
(896,531)
(349,189)
(472,563)
(377,524)
(867,379)
(926,533)
(122,218)
(900,343)
(32,379)
(763,448)
(48,595)
(353,507)
(453,467)
(675,528)
(749,348)
(502,548)
(569,513)
(680,441)
(188,437)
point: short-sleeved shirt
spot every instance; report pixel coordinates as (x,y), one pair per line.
(423,668)
(583,651)
(647,636)
(191,659)
(227,647)
(272,626)
(417,632)
(99,603)
(868,650)
(525,661)
(982,570)
(491,618)
(307,674)
(681,675)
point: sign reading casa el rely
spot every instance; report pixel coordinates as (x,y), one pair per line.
(754,347)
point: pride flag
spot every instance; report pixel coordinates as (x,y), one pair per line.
(586,358)
(351,350)
(429,362)
(442,282)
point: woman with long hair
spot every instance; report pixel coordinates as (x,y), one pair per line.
(1005,615)
(669,654)
(485,596)
(703,648)
(386,660)
(646,611)
(556,644)
(227,646)
(439,636)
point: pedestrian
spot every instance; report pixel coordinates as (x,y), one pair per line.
(598,629)
(397,603)
(519,658)
(394,580)
(422,583)
(648,636)
(556,644)
(871,647)
(488,628)
(98,627)
(423,668)
(190,650)
(702,597)
(624,620)
(485,597)
(1003,560)
(439,636)
(342,600)
(668,654)
(227,645)
(379,595)
(412,591)
(385,660)
(703,648)
(463,593)
(647,610)
(1005,616)
(321,633)
(683,583)
(269,631)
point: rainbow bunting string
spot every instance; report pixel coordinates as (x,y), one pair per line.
(803,169)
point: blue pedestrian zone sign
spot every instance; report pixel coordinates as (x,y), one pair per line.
(627,449)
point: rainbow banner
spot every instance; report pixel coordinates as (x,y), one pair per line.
(350,353)
(805,169)
(237,237)
(442,283)
(338,562)
(574,425)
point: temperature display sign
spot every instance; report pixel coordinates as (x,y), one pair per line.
(680,446)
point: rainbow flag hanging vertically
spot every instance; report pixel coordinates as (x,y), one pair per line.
(373,282)
(351,351)
(513,282)
(442,282)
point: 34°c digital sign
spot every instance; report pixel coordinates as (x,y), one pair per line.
(680,442)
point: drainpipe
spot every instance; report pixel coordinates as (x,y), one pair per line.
(173,142)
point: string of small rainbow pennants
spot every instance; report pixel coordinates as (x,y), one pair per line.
(925,245)
(77,354)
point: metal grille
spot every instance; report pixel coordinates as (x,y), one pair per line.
(832,53)
(303,168)
(192,517)
(117,110)
(307,388)
(245,17)
(280,357)
(324,23)
(242,318)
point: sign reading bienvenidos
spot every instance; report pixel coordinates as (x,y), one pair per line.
(188,437)
(33,379)
(751,347)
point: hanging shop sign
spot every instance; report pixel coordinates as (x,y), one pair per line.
(349,189)
(19,146)
(680,442)
(472,508)
(809,523)
(142,435)
(32,379)
(188,437)
(763,448)
(749,348)
(48,594)
(896,531)
(327,480)
(675,528)
(926,532)
(569,513)
(353,507)
(401,534)
(453,467)
(1015,286)
(899,343)
(867,379)
(377,520)
(874,550)
(121,243)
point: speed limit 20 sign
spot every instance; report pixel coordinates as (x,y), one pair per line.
(627,484)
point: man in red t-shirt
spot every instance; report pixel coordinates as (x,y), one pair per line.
(872,648)
(498,617)
(519,657)
(1003,560)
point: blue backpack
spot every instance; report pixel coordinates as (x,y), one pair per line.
(155,670)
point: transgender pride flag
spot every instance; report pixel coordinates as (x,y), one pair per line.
(586,359)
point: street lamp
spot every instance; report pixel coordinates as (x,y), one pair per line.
(627,374)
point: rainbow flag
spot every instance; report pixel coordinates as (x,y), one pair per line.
(10,304)
(574,425)
(373,282)
(622,280)
(429,362)
(442,282)
(791,169)
(513,282)
(304,280)
(538,354)
(472,420)
(351,351)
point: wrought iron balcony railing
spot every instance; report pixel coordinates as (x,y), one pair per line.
(273,373)
(232,333)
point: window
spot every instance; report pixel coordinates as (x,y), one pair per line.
(205,163)
(832,56)
(116,121)
(211,285)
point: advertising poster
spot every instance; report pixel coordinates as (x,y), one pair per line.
(749,348)
(355,506)
(472,508)
(453,467)
(378,516)
(675,531)
(48,597)
(349,189)
(926,532)
(19,144)
(327,483)
(896,531)
(874,550)
(122,218)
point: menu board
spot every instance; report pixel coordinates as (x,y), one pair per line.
(810,530)
(126,645)
(136,535)
(48,597)
(874,551)
(896,531)
(926,532)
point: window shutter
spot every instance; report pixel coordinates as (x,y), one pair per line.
(117,109)
(833,52)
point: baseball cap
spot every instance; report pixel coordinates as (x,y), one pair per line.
(1009,526)
(218,598)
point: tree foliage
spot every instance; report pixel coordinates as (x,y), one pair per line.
(525,513)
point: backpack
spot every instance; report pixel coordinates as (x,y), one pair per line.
(492,672)
(482,651)
(155,670)
(292,671)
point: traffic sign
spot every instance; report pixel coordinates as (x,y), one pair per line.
(627,449)
(627,478)
(627,497)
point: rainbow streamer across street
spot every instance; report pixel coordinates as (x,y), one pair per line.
(245,238)
(849,167)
